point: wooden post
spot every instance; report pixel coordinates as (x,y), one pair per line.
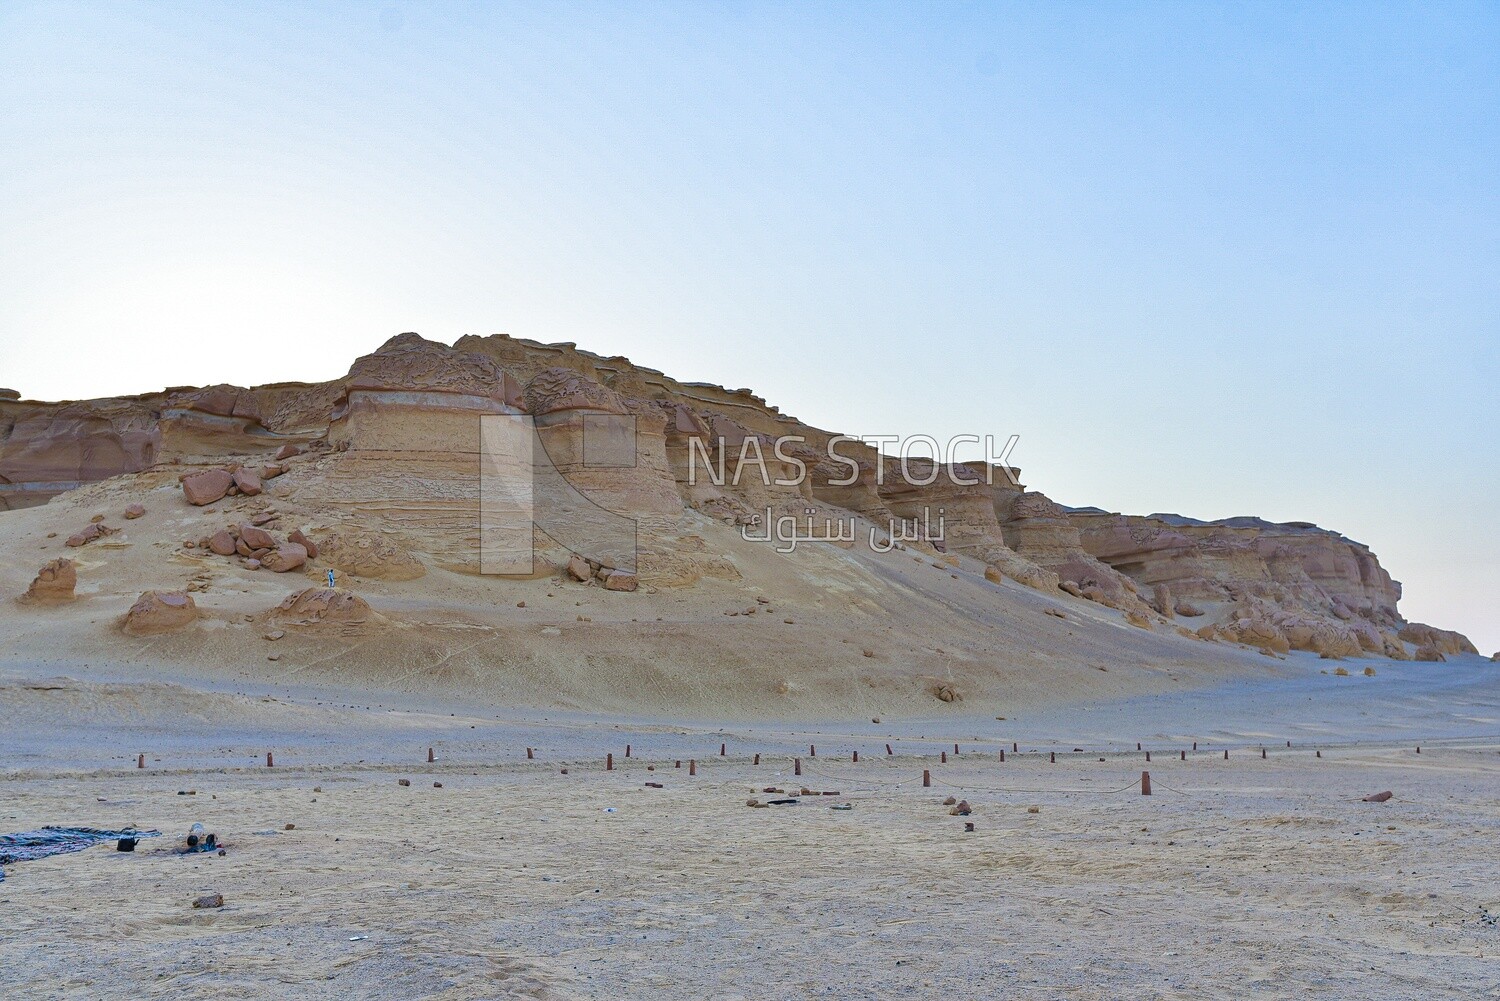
(1013,747)
(1002,755)
(1226,754)
(1184,755)
(1262,754)
(1145,783)
(1138,745)
(678,765)
(926,778)
(609,762)
(1053,757)
(528,754)
(796,766)
(627,750)
(856,757)
(945,757)
(955,748)
(429,756)
(1148,755)
(812,750)
(1195,745)
(721,750)
(757,759)
(270,760)
(1320,754)
(1419,749)
(1289,743)
(888,751)
(140,761)
(692,766)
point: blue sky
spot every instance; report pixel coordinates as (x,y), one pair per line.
(1237,259)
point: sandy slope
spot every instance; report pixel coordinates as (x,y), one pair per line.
(662,650)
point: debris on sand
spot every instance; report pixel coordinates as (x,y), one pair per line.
(1379,797)
(210,901)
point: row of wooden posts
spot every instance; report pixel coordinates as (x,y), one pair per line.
(812,752)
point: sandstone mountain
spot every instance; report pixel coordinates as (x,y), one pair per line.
(224,491)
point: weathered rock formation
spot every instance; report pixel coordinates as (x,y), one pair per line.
(54,582)
(388,460)
(160,612)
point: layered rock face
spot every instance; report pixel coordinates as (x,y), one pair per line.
(391,455)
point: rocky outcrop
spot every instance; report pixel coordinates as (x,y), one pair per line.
(1444,641)
(319,605)
(369,554)
(160,612)
(391,455)
(1037,529)
(54,582)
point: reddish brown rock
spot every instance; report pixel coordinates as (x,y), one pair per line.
(222,542)
(244,550)
(54,582)
(271,472)
(619,580)
(579,569)
(133,511)
(96,530)
(159,612)
(248,481)
(288,556)
(1429,655)
(287,451)
(302,540)
(206,487)
(256,538)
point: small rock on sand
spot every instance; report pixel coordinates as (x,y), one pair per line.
(209,901)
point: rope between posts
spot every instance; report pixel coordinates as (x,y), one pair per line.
(1102,792)
(1155,783)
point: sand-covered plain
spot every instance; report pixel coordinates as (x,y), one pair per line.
(1242,878)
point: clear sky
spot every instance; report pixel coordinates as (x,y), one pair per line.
(1219,260)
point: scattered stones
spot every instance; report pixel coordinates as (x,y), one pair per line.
(961,809)
(222,543)
(274,634)
(403,782)
(96,530)
(159,612)
(134,511)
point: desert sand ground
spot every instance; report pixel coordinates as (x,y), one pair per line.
(1248,877)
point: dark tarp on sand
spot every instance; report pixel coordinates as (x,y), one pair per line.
(30,845)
